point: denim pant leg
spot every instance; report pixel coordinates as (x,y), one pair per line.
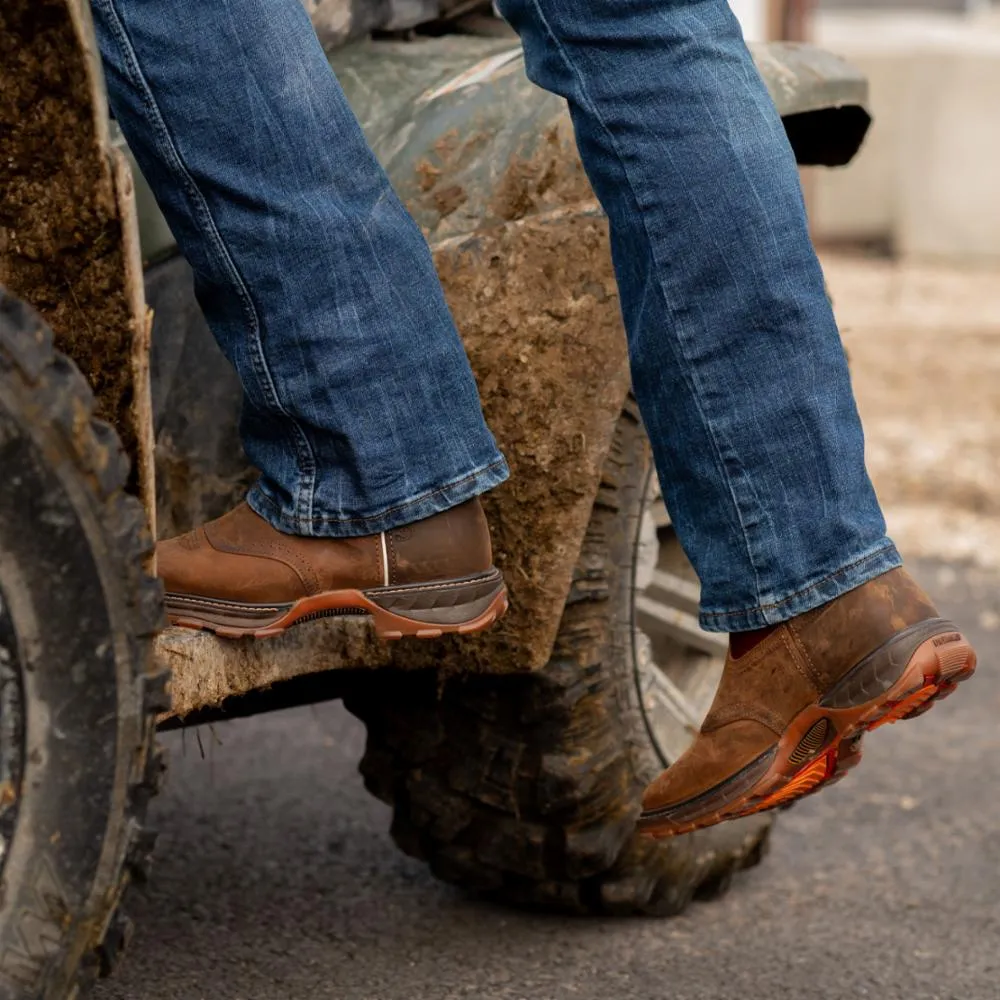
(360,407)
(737,362)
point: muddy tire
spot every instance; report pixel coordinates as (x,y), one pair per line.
(527,788)
(78,697)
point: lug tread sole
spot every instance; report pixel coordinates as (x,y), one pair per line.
(341,603)
(932,674)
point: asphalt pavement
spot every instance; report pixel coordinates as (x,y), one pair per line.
(276,878)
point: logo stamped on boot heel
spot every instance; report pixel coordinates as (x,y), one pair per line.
(943,640)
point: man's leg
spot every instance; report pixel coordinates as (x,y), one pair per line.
(360,407)
(743,385)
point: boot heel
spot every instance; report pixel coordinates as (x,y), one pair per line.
(431,610)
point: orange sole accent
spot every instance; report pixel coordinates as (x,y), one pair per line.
(387,625)
(908,706)
(807,781)
(933,673)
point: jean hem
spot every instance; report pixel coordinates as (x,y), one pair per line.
(853,574)
(397,515)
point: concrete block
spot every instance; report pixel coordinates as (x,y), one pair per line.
(949,179)
(927,180)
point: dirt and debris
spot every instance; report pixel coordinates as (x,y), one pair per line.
(207,670)
(542,178)
(60,234)
(537,307)
(449,199)
(438,176)
(482,180)
(428,175)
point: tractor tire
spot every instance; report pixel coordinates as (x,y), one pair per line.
(527,788)
(78,692)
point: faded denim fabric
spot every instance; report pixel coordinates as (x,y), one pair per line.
(737,362)
(361,410)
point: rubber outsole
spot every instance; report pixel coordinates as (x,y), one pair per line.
(822,744)
(340,603)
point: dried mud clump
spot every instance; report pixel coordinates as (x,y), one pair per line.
(60,235)
(545,177)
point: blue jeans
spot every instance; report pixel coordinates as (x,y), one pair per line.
(361,411)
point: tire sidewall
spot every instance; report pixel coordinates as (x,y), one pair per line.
(62,586)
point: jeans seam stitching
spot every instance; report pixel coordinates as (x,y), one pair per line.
(688,375)
(805,590)
(260,492)
(205,220)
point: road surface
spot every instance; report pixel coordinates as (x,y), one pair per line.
(276,879)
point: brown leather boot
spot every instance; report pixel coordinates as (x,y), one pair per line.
(238,576)
(790,714)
